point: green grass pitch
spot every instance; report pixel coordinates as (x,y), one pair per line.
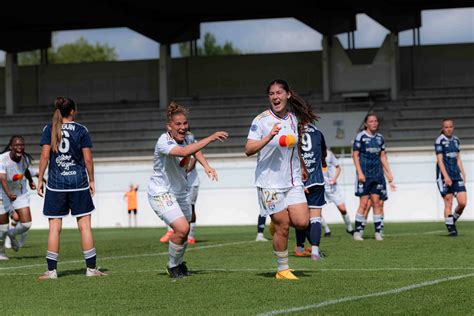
(417,269)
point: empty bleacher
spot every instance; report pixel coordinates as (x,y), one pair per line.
(131,129)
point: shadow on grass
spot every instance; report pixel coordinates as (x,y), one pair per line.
(26,257)
(81,271)
(299,274)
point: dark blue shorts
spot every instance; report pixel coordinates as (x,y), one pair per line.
(315,197)
(59,204)
(455,188)
(371,186)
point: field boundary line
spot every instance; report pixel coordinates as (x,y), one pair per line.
(131,256)
(361,297)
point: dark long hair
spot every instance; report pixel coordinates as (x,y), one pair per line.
(8,147)
(299,106)
(62,108)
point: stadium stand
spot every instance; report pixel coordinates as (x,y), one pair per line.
(413,120)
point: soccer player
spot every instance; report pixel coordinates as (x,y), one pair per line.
(167,190)
(370,161)
(66,152)
(274,135)
(14,173)
(333,192)
(132,204)
(313,152)
(193,190)
(450,175)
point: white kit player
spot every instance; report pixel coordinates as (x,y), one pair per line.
(167,190)
(332,190)
(14,173)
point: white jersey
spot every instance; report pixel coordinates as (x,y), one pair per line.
(278,162)
(193,178)
(169,172)
(332,162)
(15,173)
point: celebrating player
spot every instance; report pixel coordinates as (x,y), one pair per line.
(167,190)
(278,176)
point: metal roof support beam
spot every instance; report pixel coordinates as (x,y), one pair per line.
(164,74)
(11,82)
(394,66)
(326,68)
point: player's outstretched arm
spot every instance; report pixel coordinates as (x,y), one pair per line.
(200,144)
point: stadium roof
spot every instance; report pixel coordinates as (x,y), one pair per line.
(27,25)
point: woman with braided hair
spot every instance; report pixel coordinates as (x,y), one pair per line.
(167,191)
(14,173)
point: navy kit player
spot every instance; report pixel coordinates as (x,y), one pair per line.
(167,191)
(313,152)
(66,152)
(370,161)
(450,175)
(273,135)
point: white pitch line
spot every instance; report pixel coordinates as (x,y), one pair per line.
(360,297)
(414,234)
(132,256)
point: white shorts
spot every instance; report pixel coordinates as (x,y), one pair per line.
(21,201)
(334,194)
(276,200)
(193,194)
(169,207)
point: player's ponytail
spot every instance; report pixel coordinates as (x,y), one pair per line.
(62,108)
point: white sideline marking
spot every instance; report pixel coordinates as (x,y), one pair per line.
(360,297)
(413,234)
(132,256)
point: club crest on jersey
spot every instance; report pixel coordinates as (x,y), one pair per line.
(271,206)
(379,140)
(253,128)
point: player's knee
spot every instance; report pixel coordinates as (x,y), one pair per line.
(461,206)
(182,231)
(26,226)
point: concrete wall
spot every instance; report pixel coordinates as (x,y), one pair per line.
(421,67)
(233,199)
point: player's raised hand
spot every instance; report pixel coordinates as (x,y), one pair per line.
(220,136)
(275,129)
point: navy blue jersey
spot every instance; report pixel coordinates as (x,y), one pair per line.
(370,147)
(449,148)
(67,170)
(313,151)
